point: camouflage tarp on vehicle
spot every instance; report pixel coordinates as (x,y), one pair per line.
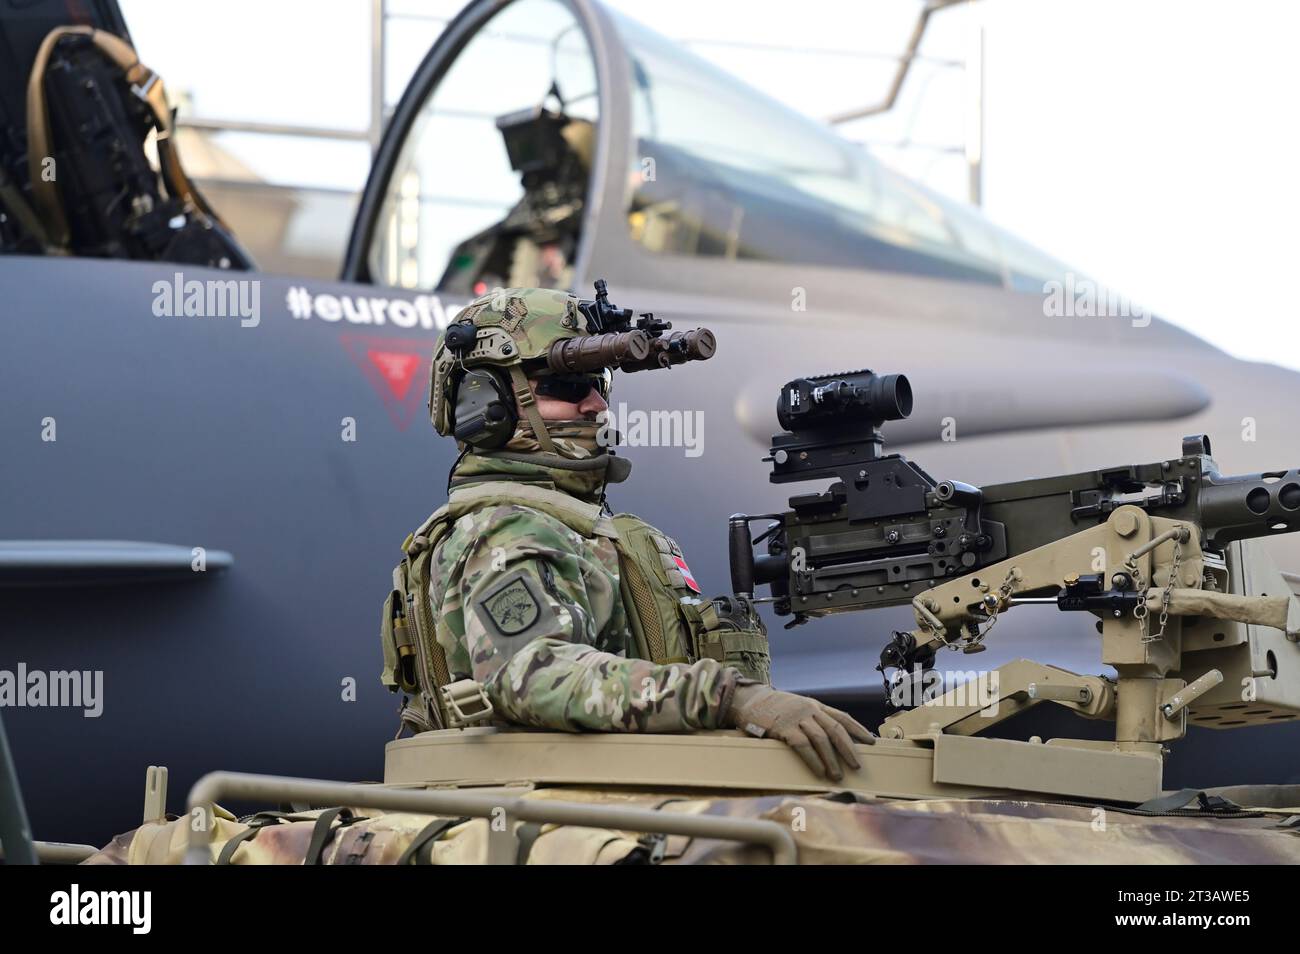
(827,830)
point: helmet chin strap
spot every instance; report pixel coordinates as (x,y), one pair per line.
(528,404)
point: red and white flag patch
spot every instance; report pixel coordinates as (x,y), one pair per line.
(686,573)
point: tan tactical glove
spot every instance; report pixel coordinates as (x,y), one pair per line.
(817,732)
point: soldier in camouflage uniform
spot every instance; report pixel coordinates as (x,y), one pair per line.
(533,610)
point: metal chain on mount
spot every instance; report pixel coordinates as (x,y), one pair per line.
(994,605)
(1140,612)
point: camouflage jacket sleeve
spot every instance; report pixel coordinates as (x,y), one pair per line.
(531,610)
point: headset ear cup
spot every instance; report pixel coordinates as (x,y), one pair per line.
(505,407)
(484,414)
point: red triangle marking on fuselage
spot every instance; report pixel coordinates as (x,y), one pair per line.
(397,369)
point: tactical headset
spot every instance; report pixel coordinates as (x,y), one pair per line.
(485,414)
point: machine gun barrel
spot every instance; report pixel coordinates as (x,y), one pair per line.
(1250,505)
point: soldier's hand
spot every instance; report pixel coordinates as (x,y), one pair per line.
(821,735)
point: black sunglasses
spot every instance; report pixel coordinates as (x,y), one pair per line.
(572,388)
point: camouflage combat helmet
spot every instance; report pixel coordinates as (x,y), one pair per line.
(491,348)
(482,361)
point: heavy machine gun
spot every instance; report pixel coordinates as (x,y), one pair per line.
(1194,618)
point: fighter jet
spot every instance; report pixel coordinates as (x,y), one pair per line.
(205,509)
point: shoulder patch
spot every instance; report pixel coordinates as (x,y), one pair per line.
(512,607)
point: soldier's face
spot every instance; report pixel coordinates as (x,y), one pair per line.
(553,409)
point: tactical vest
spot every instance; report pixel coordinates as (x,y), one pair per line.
(669,621)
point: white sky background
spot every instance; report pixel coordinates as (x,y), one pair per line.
(1151,144)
